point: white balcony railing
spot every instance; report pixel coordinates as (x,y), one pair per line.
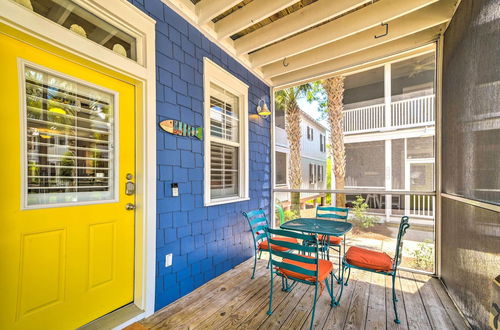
(365,119)
(421,205)
(412,112)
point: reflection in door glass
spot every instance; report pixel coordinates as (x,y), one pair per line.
(69,141)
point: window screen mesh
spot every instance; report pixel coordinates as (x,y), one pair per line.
(471,111)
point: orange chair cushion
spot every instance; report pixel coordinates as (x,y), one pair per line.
(365,258)
(325,267)
(334,240)
(264,245)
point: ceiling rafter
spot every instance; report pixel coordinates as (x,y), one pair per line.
(311,36)
(367,57)
(206,10)
(400,27)
(360,20)
(310,15)
(248,15)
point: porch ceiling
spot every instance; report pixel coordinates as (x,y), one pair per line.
(290,41)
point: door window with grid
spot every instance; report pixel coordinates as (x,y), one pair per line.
(69,141)
(226,146)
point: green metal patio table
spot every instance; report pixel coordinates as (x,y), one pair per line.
(318,226)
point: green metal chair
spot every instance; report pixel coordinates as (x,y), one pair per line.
(335,242)
(257,221)
(299,268)
(281,213)
(377,262)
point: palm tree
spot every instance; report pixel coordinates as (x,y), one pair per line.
(329,95)
(286,100)
(334,88)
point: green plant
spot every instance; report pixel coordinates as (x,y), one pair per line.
(359,211)
(34,171)
(290,215)
(67,164)
(424,255)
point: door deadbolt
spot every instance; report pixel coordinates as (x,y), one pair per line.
(129,188)
(129,207)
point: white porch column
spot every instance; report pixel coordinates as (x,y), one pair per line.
(388,144)
(387,94)
(388,177)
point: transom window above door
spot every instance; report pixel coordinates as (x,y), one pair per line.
(69,133)
(82,21)
(226,144)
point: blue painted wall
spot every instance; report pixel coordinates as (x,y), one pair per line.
(205,241)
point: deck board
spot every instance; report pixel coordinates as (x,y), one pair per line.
(433,304)
(416,314)
(401,305)
(375,317)
(356,316)
(234,301)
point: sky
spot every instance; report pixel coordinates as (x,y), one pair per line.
(311,109)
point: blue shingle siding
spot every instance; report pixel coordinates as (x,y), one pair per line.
(205,241)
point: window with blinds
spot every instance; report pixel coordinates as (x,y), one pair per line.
(224,145)
(69,141)
(322,143)
(226,141)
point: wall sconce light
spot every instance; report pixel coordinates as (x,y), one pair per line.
(262,109)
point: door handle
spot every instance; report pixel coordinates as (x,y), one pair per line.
(130,207)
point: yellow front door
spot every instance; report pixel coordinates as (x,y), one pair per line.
(67,153)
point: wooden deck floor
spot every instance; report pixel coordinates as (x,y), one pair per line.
(233,301)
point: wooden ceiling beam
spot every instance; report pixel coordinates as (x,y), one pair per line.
(422,19)
(418,42)
(206,10)
(360,20)
(315,13)
(248,15)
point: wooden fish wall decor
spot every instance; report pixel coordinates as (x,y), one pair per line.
(179,128)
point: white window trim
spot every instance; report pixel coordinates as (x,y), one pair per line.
(214,73)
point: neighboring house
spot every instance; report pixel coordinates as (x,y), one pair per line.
(389,134)
(313,157)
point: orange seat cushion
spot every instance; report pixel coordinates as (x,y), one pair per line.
(325,267)
(334,240)
(264,245)
(365,258)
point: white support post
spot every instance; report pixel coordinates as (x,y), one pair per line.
(387,94)
(407,178)
(273,158)
(388,178)
(388,144)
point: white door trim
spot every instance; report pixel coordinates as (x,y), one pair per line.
(127,16)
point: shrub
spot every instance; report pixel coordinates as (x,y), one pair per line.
(290,215)
(359,210)
(287,214)
(424,255)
